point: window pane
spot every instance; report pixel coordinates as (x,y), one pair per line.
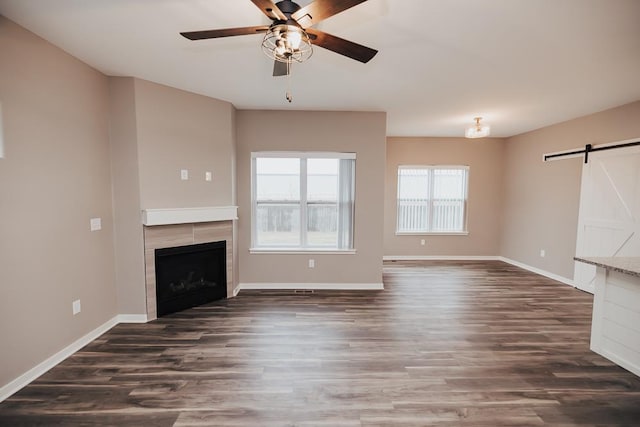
(278,179)
(322,198)
(278,224)
(448,183)
(322,179)
(413,199)
(448,202)
(414,184)
(278,201)
(322,224)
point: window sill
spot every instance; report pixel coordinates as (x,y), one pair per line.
(432,233)
(295,251)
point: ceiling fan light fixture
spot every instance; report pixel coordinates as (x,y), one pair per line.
(477,130)
(287,43)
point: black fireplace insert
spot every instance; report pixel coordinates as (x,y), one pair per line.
(188,276)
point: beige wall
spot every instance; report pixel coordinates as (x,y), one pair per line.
(156,131)
(181,130)
(541,200)
(58,116)
(55,176)
(362,133)
(485,159)
(128,233)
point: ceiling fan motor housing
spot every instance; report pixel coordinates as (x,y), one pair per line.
(288,7)
(290,36)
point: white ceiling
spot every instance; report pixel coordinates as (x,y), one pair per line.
(521,64)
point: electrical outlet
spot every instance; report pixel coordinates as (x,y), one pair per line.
(543,253)
(422,242)
(184,174)
(75,306)
(208,176)
(312,263)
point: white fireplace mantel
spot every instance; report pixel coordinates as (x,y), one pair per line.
(188,215)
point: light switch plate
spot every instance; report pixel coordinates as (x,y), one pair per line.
(208,176)
(184,174)
(95,224)
(75,306)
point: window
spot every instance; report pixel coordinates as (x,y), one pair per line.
(302,201)
(432,199)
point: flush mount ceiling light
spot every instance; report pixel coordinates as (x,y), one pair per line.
(477,130)
(287,42)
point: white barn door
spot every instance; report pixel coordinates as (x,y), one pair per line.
(609,218)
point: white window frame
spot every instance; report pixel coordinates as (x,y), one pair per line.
(303,248)
(427,232)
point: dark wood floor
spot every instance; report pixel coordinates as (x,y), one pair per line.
(449,344)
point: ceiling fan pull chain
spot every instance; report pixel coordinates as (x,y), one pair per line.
(288,93)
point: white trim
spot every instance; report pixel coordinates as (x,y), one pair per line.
(313,286)
(254,205)
(301,251)
(428,197)
(188,215)
(536,270)
(432,233)
(236,291)
(302,202)
(441,258)
(434,166)
(304,154)
(33,373)
(132,318)
(479,258)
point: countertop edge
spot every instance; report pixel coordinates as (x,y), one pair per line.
(629,265)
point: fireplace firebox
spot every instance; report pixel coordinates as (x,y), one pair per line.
(188,276)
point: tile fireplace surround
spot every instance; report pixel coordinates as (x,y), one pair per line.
(194,226)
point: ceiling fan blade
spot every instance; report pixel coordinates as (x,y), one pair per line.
(270,9)
(343,47)
(227,32)
(280,68)
(315,12)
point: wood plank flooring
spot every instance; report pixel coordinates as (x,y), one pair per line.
(446,344)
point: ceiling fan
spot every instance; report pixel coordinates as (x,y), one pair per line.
(289,37)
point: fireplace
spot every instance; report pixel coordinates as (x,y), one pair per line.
(188,276)
(161,236)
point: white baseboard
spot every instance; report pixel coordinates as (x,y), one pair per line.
(313,286)
(132,318)
(440,258)
(33,373)
(541,272)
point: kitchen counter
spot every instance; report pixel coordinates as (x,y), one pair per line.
(626,265)
(615,325)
